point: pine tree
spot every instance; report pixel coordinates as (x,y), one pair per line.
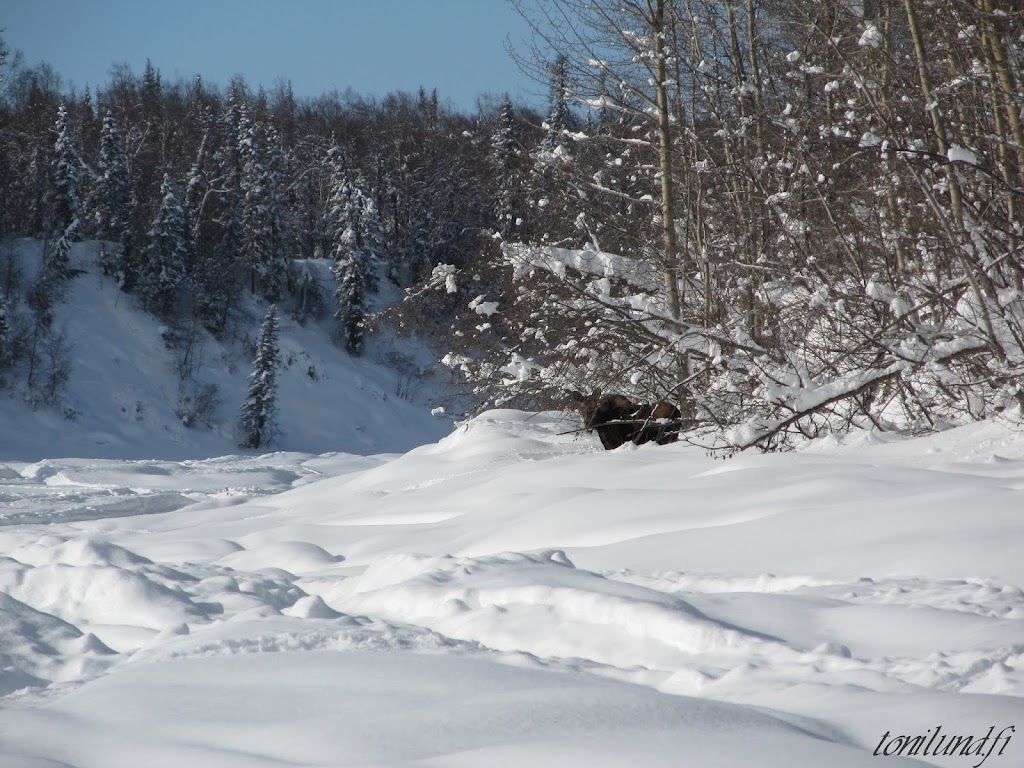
(166,254)
(257,420)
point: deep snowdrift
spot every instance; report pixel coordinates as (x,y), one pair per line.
(514,595)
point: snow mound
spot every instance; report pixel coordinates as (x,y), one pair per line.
(454,601)
(292,556)
(38,649)
(510,601)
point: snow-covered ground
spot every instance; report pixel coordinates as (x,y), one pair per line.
(513,595)
(123,397)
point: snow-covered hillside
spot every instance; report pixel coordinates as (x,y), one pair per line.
(123,398)
(513,595)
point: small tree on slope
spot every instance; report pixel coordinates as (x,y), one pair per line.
(257,422)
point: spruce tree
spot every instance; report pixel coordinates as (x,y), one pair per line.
(283,227)
(349,294)
(507,156)
(267,239)
(6,352)
(213,201)
(166,254)
(253,199)
(258,417)
(113,191)
(64,206)
(64,224)
(559,117)
(354,225)
(88,124)
(357,230)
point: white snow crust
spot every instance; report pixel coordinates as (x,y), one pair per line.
(513,595)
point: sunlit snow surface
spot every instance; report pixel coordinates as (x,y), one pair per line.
(513,595)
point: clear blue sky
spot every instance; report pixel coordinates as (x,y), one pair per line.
(372,46)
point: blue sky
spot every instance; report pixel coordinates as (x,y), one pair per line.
(372,46)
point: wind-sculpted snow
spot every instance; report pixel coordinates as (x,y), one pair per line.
(515,594)
(510,602)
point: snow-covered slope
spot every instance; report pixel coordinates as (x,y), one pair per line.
(513,595)
(122,399)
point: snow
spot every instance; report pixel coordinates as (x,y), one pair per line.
(871,37)
(594,263)
(957,154)
(485,308)
(513,595)
(122,398)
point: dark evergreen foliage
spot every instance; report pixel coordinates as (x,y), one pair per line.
(507,154)
(560,117)
(64,205)
(257,421)
(267,237)
(6,340)
(165,255)
(111,197)
(350,295)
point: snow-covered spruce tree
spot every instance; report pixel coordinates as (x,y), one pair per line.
(6,350)
(507,155)
(64,202)
(350,296)
(112,198)
(64,223)
(150,131)
(285,228)
(63,230)
(213,206)
(354,226)
(560,117)
(359,233)
(257,423)
(165,255)
(266,240)
(88,126)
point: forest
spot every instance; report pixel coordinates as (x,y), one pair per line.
(791,218)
